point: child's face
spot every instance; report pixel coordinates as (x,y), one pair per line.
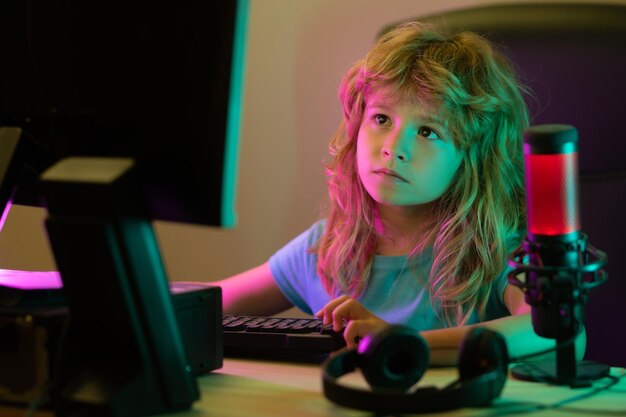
(405,155)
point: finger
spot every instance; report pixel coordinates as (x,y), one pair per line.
(358,329)
(349,310)
(326,313)
(350,333)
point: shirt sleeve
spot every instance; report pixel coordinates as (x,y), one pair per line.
(496,308)
(294,266)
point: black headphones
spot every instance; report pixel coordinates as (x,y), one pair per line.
(393,360)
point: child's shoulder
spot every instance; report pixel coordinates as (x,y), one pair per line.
(314,232)
(319,226)
(309,237)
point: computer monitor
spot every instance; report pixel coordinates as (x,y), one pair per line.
(160,83)
(137,104)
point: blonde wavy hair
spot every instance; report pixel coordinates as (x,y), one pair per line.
(479,216)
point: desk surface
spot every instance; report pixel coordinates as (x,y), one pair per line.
(253,388)
(245,388)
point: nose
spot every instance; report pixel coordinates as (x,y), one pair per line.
(395,147)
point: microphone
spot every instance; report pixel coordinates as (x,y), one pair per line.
(554,258)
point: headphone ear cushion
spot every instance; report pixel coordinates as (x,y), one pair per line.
(482,350)
(395,358)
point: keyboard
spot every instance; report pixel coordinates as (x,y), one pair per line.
(279,338)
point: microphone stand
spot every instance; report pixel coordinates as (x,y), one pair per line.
(557,296)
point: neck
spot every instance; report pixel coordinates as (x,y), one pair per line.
(401,228)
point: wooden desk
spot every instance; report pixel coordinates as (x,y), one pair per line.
(245,388)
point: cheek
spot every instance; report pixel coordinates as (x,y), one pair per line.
(362,153)
(453,165)
(442,172)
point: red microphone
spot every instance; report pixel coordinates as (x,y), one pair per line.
(553,244)
(551,166)
(554,256)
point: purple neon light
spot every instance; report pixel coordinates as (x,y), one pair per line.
(30,280)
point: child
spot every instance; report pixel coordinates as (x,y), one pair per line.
(426,201)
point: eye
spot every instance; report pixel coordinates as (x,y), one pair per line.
(381,119)
(428,133)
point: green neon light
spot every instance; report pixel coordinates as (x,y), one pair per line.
(235,116)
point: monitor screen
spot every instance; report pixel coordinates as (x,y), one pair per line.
(161,83)
(123,112)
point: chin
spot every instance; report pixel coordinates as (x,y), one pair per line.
(404,203)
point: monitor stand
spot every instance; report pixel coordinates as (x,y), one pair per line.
(123,354)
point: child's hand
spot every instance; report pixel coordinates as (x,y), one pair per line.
(360,321)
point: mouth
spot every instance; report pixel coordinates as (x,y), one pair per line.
(390,173)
